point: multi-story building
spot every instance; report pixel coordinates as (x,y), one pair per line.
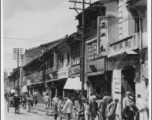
(34,69)
(100,18)
(128,54)
(58,70)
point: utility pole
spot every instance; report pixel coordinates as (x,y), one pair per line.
(17,52)
(82,57)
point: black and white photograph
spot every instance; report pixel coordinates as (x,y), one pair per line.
(75,60)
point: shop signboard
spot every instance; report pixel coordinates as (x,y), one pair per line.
(63,73)
(116,84)
(75,69)
(96,65)
(116,89)
(129,43)
(102,35)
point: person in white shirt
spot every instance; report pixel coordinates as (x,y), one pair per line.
(126,100)
(140,106)
(67,109)
(55,99)
(47,100)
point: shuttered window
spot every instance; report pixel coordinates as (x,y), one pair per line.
(92,50)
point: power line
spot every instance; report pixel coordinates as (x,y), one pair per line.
(84,35)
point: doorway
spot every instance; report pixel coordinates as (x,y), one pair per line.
(128,83)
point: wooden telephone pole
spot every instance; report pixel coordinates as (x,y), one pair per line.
(17,52)
(82,60)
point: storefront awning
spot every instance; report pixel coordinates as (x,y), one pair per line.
(74,84)
(34,83)
(127,52)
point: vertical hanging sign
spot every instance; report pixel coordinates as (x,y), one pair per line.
(102,35)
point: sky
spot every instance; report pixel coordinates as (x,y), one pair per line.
(29,23)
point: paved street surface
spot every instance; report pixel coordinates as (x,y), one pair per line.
(24,115)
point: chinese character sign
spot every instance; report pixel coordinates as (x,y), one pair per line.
(102,34)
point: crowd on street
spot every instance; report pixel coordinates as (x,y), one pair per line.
(97,107)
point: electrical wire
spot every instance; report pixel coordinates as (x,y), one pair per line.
(84,35)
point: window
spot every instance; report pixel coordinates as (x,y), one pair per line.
(75,54)
(92,50)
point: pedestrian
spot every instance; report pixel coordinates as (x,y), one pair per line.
(76,105)
(101,107)
(87,110)
(140,105)
(32,99)
(111,110)
(93,108)
(28,103)
(67,109)
(60,107)
(56,111)
(126,100)
(130,112)
(46,100)
(35,99)
(55,99)
(80,110)
(107,100)
(92,95)
(16,103)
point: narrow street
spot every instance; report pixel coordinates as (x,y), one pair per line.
(24,115)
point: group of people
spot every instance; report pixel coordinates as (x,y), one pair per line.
(97,107)
(14,100)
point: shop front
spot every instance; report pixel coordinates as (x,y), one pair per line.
(73,84)
(63,75)
(98,79)
(123,60)
(35,85)
(51,81)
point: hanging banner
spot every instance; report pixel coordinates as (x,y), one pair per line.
(102,35)
(116,89)
(116,84)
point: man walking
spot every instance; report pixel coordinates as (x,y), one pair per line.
(46,100)
(107,100)
(111,109)
(67,109)
(126,100)
(130,111)
(101,107)
(93,108)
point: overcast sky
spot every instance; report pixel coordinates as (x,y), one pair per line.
(40,21)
